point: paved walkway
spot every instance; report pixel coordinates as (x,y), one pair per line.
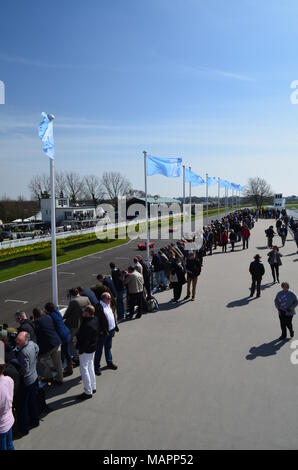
(208,374)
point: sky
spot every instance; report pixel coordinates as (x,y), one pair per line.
(205,80)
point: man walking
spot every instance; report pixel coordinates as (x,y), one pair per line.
(257,271)
(286,302)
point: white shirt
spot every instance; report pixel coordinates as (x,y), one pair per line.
(109,315)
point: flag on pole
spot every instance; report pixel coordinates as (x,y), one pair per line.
(45,132)
(225,184)
(169,167)
(212,180)
(193,178)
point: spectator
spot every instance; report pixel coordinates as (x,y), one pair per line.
(6,400)
(48,342)
(73,317)
(233,239)
(245,234)
(257,271)
(135,284)
(158,269)
(27,358)
(107,328)
(25,325)
(275,262)
(177,277)
(64,335)
(193,269)
(286,302)
(270,234)
(87,337)
(146,275)
(118,279)
(87,292)
(100,288)
(138,266)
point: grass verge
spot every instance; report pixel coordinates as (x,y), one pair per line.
(26,268)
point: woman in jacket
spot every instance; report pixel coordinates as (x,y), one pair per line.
(286,302)
(275,261)
(177,277)
(64,334)
(224,238)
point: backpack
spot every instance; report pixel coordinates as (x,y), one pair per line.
(151,304)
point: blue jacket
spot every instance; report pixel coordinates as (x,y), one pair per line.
(60,327)
(47,337)
(292,302)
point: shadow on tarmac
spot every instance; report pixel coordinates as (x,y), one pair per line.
(266,349)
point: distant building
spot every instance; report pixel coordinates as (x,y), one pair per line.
(67,214)
(156,201)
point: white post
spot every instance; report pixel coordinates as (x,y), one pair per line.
(183,185)
(146,202)
(207,200)
(218,198)
(53,234)
(190,192)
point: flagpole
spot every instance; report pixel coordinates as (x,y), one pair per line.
(53,234)
(190,192)
(218,197)
(207,201)
(146,202)
(183,185)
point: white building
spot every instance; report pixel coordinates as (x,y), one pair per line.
(67,214)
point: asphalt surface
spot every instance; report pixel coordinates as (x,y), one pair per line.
(35,289)
(209,374)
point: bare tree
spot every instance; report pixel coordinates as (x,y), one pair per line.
(115,185)
(39,185)
(92,189)
(60,184)
(74,185)
(258,190)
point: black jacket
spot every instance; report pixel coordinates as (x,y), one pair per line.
(257,269)
(29,327)
(87,335)
(103,324)
(193,267)
(46,334)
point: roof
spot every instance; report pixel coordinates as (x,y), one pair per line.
(160,200)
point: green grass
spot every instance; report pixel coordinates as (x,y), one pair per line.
(30,267)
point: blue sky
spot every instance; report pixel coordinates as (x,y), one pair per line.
(207,80)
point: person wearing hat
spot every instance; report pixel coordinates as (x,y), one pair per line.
(257,271)
(6,399)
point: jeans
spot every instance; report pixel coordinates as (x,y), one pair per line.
(120,304)
(65,350)
(275,270)
(74,351)
(29,413)
(87,372)
(104,341)
(245,243)
(161,278)
(6,441)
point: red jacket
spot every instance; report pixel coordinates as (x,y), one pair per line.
(245,232)
(224,238)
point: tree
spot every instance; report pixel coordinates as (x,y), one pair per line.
(258,190)
(60,184)
(93,189)
(115,185)
(38,185)
(74,185)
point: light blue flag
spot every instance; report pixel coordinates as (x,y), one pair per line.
(169,167)
(212,180)
(45,132)
(225,184)
(193,178)
(235,186)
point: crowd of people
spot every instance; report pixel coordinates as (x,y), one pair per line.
(46,347)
